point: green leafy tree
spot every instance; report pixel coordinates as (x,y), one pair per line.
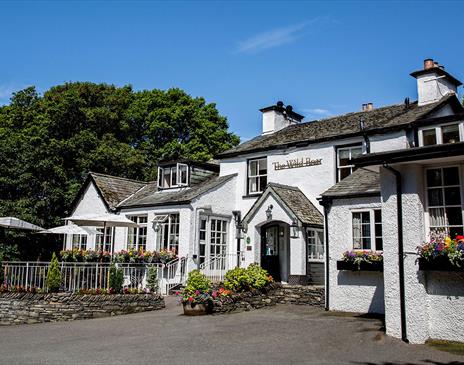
(51,141)
(116,278)
(54,275)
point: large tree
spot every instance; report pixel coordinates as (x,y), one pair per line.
(50,142)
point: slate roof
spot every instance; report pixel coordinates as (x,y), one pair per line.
(294,199)
(342,126)
(361,182)
(298,203)
(115,189)
(150,196)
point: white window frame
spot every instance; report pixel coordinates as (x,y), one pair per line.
(337,157)
(438,132)
(173,169)
(426,189)
(318,243)
(79,241)
(166,222)
(137,233)
(106,239)
(258,176)
(221,239)
(372,225)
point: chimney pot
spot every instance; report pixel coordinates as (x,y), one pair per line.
(435,64)
(364,107)
(289,108)
(280,104)
(428,63)
(369,107)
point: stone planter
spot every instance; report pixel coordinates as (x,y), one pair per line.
(364,266)
(439,264)
(197,309)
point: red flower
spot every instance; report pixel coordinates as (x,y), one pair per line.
(190,299)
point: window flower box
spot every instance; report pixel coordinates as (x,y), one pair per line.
(361,261)
(440,264)
(442,254)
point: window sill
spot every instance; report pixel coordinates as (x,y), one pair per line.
(251,196)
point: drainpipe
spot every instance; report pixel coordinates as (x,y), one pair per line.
(325,202)
(399,211)
(238,227)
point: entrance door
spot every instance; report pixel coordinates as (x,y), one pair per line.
(272,240)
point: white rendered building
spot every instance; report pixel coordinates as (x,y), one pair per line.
(270,198)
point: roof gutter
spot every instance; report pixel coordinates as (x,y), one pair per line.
(399,212)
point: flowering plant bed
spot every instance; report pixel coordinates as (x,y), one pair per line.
(361,260)
(442,253)
(123,256)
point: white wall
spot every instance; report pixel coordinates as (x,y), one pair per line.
(430,90)
(351,291)
(434,300)
(90,203)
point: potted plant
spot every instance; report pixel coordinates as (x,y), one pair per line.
(167,255)
(442,253)
(361,260)
(196,297)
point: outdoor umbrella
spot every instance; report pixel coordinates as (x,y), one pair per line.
(16,223)
(103,220)
(70,229)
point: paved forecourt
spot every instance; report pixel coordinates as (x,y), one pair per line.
(285,334)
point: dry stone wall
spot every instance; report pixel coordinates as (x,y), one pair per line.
(21,308)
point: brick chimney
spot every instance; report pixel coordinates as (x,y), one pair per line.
(434,83)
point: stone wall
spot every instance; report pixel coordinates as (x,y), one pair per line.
(269,296)
(21,308)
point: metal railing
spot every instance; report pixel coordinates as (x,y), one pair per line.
(76,275)
(174,275)
(216,267)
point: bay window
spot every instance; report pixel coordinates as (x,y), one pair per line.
(137,236)
(167,231)
(367,229)
(344,156)
(444,202)
(257,175)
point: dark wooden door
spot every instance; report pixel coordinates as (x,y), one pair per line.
(270,251)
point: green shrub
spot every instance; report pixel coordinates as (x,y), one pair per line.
(257,277)
(240,279)
(237,279)
(116,278)
(197,281)
(1,273)
(54,275)
(152,279)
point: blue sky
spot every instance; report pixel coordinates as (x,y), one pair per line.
(324,58)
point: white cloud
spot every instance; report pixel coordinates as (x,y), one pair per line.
(317,111)
(275,37)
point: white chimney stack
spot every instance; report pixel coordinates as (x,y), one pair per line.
(277,117)
(434,83)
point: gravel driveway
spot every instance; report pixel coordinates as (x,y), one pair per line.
(279,335)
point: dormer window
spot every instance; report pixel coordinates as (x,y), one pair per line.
(442,134)
(173,176)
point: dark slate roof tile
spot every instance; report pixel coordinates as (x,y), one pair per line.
(361,182)
(298,203)
(150,196)
(337,127)
(115,189)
